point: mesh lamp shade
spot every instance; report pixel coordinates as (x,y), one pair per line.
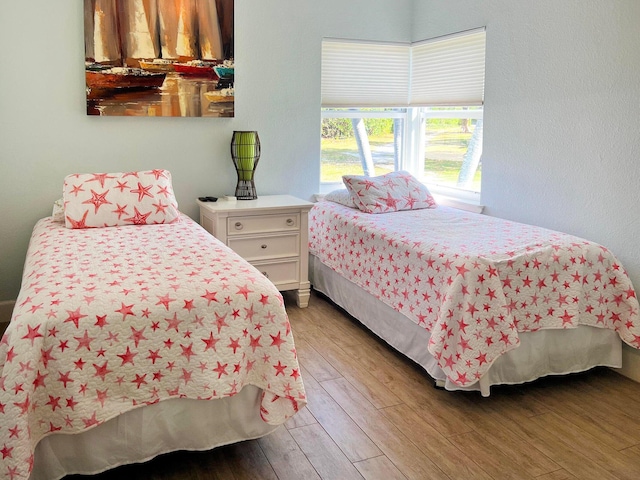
(245,152)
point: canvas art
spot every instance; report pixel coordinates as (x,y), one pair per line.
(161,58)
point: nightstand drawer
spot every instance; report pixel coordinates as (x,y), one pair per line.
(266,246)
(247,225)
(280,272)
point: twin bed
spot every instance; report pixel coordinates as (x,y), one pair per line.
(475,300)
(138,339)
(145,334)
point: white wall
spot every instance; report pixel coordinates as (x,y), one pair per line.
(561,117)
(562,120)
(45,133)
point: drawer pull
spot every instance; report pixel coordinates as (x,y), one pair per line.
(238,225)
(290,222)
(263,246)
(265,274)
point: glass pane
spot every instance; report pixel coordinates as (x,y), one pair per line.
(453,149)
(375,151)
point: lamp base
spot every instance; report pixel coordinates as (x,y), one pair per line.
(246,190)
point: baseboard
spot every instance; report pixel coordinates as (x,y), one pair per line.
(630,363)
(6,309)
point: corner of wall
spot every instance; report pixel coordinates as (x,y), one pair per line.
(630,363)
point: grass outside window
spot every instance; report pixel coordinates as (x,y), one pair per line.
(446,146)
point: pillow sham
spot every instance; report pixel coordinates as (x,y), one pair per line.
(341,196)
(391,192)
(113,199)
(58,211)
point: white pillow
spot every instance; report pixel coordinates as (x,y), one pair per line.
(112,199)
(341,196)
(58,211)
(391,192)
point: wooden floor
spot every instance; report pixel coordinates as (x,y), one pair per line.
(372,414)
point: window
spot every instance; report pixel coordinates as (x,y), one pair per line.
(374,141)
(452,147)
(418,110)
(360,142)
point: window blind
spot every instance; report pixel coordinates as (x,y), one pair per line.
(446,70)
(364,74)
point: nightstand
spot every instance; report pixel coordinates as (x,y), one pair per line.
(270,232)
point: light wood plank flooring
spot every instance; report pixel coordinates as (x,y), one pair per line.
(373,414)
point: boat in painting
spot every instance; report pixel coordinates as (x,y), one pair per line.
(224,73)
(225,70)
(158,65)
(197,68)
(96,67)
(123,78)
(224,95)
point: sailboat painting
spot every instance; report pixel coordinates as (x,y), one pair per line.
(159,58)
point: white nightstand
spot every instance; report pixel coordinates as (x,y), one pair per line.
(270,232)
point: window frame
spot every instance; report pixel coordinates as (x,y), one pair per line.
(413,147)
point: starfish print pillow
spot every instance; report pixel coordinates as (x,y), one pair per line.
(113,199)
(391,192)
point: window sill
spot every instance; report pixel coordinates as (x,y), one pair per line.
(326,187)
(459,204)
(457,198)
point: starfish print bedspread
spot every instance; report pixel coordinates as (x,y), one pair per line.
(473,281)
(111,319)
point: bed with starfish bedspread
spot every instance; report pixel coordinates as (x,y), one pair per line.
(135,340)
(475,300)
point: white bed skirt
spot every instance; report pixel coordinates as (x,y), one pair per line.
(541,353)
(143,433)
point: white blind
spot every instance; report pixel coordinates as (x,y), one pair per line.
(445,71)
(362,74)
(449,70)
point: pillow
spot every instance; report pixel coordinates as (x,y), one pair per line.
(112,199)
(341,196)
(58,211)
(388,193)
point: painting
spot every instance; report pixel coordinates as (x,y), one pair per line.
(159,58)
